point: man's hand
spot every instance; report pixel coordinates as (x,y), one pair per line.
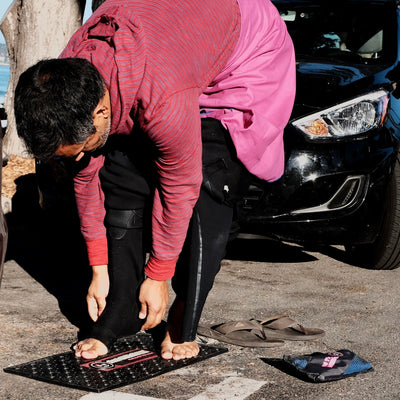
(154,298)
(98,291)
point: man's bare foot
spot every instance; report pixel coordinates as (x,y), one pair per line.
(171,346)
(178,351)
(90,348)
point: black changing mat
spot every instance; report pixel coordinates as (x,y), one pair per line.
(131,359)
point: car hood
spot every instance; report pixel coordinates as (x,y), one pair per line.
(321,85)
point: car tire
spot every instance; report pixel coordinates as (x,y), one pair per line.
(384,252)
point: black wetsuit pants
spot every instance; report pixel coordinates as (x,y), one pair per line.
(128,181)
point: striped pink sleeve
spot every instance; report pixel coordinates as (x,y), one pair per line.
(175,129)
(90,202)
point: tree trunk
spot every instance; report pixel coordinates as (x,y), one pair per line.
(34,29)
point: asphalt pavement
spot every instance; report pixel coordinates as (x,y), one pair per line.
(42,306)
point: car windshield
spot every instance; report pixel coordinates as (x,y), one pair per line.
(345,31)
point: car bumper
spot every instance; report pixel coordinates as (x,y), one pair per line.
(329,194)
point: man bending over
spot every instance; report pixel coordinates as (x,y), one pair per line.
(164,106)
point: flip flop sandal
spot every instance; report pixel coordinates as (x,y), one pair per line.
(284,328)
(240,333)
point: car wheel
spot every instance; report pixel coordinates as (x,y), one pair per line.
(384,253)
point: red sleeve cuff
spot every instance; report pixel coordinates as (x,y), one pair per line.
(97,251)
(160,270)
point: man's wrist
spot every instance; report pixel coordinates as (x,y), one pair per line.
(156,280)
(99,269)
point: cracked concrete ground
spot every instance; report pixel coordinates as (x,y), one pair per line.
(42,303)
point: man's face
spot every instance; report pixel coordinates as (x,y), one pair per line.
(102,123)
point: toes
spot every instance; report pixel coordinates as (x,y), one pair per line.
(167,350)
(180,352)
(181,356)
(80,347)
(166,354)
(90,348)
(86,346)
(90,354)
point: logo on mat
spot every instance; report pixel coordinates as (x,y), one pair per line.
(120,360)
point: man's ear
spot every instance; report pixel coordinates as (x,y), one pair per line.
(103,109)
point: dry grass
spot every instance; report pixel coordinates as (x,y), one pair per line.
(16,167)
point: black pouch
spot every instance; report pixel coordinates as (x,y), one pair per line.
(325,367)
(224,177)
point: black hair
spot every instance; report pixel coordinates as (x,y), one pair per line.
(54,103)
(96,4)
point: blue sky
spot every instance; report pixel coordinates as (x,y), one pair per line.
(3,8)
(4,4)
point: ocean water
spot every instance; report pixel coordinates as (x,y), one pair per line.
(4,77)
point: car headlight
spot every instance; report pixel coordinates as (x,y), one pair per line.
(353,117)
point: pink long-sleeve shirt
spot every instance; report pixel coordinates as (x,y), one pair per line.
(158,59)
(253,95)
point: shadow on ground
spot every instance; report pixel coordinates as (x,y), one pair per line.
(48,246)
(266,250)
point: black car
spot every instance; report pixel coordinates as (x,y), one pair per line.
(341,184)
